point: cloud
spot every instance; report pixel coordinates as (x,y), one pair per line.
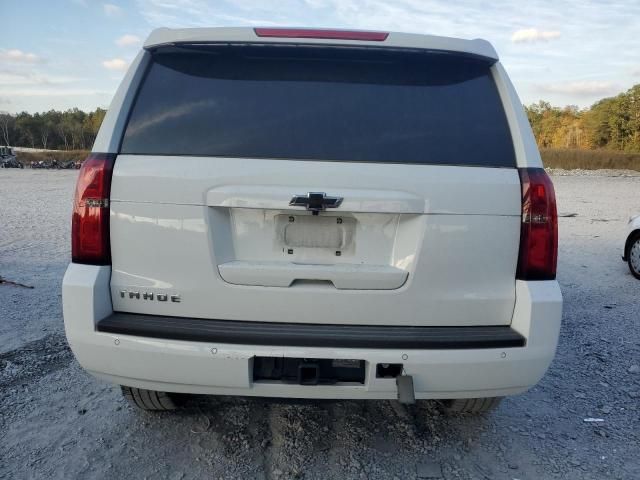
(203,13)
(116,64)
(55,92)
(18,56)
(531,35)
(14,77)
(112,10)
(127,40)
(585,88)
(21,77)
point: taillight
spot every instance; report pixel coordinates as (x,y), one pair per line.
(322,33)
(539,231)
(90,222)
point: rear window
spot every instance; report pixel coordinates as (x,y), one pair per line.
(320,103)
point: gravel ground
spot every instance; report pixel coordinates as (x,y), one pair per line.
(58,422)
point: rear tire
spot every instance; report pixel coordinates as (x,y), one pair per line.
(150,400)
(470,405)
(633,255)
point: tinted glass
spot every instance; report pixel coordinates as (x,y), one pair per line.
(320,103)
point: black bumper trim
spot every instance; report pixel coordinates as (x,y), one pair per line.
(310,335)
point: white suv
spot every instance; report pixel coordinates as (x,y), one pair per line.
(314,214)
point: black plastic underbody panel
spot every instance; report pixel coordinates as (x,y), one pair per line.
(310,335)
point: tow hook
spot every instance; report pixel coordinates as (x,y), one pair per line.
(406,394)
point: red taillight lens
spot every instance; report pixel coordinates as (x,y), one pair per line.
(539,232)
(325,34)
(90,221)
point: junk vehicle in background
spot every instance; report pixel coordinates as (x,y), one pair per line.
(8,158)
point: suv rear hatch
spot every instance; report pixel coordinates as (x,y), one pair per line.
(316,184)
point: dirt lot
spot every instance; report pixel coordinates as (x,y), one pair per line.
(58,422)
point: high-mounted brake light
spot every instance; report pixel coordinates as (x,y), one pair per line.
(325,34)
(90,222)
(539,230)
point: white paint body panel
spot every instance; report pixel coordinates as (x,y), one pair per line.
(113,124)
(458,255)
(192,367)
(632,226)
(432,189)
(524,142)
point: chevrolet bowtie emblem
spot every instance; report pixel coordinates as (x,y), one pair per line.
(315,201)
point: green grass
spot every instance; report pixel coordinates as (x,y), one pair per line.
(589,159)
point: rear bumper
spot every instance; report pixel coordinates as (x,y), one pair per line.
(310,335)
(211,366)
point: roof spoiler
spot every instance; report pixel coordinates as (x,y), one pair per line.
(183,36)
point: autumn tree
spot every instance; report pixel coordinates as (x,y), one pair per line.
(611,123)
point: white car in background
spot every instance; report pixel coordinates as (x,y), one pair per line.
(631,253)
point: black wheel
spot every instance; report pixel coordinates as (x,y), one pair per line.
(633,254)
(150,399)
(470,405)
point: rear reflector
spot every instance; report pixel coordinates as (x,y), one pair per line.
(90,222)
(539,231)
(326,34)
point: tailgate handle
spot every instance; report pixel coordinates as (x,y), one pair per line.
(343,276)
(315,201)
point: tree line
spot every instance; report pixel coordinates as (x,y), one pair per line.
(54,130)
(611,124)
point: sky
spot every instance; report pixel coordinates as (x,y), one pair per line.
(60,54)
